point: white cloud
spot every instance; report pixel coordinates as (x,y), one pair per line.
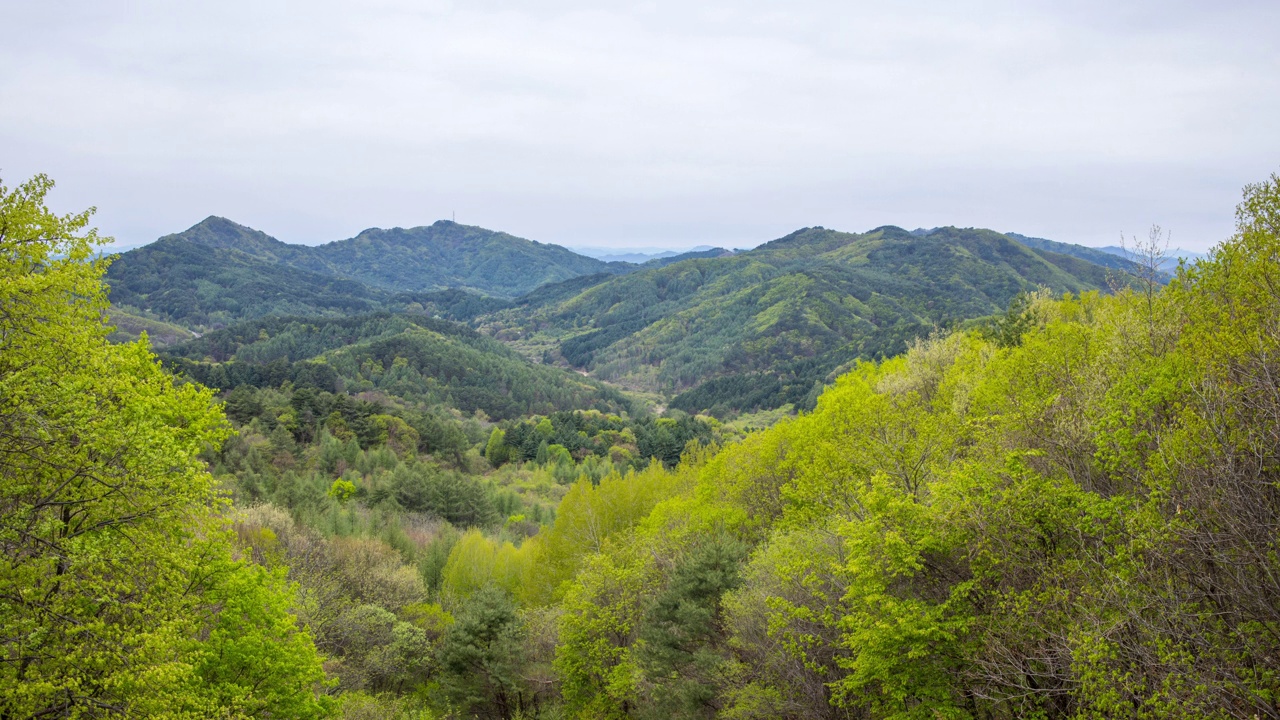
(648,123)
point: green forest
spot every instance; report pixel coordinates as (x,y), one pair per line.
(1032,488)
(719,332)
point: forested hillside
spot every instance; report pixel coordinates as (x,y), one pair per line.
(769,326)
(217,272)
(713,331)
(1068,509)
(413,357)
(197,285)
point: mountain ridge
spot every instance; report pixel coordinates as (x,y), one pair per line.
(784,315)
(439,256)
(787,313)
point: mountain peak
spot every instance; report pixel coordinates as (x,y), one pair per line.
(218,232)
(219,226)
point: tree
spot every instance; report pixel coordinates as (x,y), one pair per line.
(119,593)
(496,450)
(683,632)
(479,656)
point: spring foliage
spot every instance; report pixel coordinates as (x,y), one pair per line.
(1082,521)
(1070,512)
(119,593)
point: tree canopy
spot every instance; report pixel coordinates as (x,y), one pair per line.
(119,590)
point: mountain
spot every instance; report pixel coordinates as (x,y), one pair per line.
(218,271)
(1097,256)
(696,253)
(449,255)
(215,279)
(638,256)
(713,329)
(768,326)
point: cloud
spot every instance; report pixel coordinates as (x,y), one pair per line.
(652,123)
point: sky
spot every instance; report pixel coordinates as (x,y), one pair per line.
(650,124)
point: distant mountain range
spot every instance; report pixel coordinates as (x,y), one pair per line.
(631,255)
(1172,256)
(713,329)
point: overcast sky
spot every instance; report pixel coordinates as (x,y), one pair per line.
(645,124)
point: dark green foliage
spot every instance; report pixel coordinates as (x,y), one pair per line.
(583,434)
(666,438)
(1007,330)
(298,338)
(683,635)
(217,272)
(580,350)
(452,304)
(479,658)
(446,254)
(560,291)
(196,285)
(447,494)
(722,396)
(419,359)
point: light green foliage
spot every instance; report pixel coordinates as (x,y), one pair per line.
(603,611)
(119,590)
(496,450)
(1068,514)
(588,516)
(1072,515)
(477,562)
(342,490)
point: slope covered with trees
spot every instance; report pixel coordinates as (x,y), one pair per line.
(1071,514)
(769,326)
(218,271)
(714,331)
(413,357)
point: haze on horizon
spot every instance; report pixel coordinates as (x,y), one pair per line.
(648,124)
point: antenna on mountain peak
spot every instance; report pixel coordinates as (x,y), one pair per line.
(453,215)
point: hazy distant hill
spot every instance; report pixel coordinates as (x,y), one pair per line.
(1172,256)
(692,254)
(764,327)
(636,256)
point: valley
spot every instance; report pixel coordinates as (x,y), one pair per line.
(459,474)
(711,330)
